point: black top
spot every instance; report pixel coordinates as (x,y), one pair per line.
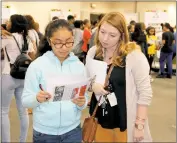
(118,82)
(168,46)
(118,113)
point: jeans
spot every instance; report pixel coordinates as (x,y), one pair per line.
(166,57)
(73,136)
(11,87)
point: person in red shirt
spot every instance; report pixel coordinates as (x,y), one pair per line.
(86,36)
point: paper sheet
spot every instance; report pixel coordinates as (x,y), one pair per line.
(98,69)
(67,87)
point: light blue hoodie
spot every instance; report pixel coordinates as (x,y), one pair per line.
(53,118)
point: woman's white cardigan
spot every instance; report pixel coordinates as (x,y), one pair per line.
(138,89)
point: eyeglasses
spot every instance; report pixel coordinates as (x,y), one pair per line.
(60,45)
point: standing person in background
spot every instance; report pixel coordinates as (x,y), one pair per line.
(12,45)
(55,18)
(78,39)
(36,27)
(86,36)
(143,27)
(71,20)
(33,36)
(152,47)
(131,29)
(31,30)
(59,121)
(126,121)
(166,51)
(139,37)
(94,26)
(82,24)
(132,22)
(92,43)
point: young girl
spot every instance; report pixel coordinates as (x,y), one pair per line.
(58,121)
(151,42)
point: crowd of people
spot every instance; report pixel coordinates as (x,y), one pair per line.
(65,48)
(151,42)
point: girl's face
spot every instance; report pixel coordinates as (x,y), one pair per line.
(152,31)
(62,42)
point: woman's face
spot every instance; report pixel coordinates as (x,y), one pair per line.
(62,43)
(108,35)
(152,31)
(88,24)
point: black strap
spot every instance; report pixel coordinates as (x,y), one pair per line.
(17,46)
(7,54)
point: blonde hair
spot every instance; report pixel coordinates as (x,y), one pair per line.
(124,47)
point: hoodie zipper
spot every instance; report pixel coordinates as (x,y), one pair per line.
(60,101)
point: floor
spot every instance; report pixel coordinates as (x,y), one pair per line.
(162,113)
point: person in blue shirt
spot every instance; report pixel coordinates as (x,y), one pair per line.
(58,121)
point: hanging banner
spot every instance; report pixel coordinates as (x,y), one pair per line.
(60,14)
(155,19)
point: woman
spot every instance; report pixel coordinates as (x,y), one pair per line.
(17,26)
(152,46)
(54,121)
(34,38)
(86,36)
(78,40)
(139,37)
(127,121)
(36,28)
(31,30)
(166,54)
(131,29)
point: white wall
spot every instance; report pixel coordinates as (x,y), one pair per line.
(41,10)
(169,6)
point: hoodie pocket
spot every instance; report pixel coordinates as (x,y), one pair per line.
(48,114)
(69,113)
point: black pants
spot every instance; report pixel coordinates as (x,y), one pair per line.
(174,55)
(150,60)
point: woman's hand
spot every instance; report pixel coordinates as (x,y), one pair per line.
(43,96)
(138,134)
(98,89)
(80,101)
